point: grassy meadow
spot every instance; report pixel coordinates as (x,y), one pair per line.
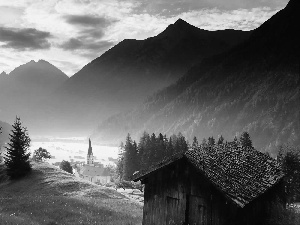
(51,196)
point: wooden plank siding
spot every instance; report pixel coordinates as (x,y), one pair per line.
(179,194)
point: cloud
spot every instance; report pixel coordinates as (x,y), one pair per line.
(88,41)
(88,20)
(74,44)
(175,7)
(241,19)
(84,29)
(24,38)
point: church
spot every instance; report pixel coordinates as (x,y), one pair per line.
(96,174)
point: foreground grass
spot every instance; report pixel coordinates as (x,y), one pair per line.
(51,196)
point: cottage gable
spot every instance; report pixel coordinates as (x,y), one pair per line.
(241,174)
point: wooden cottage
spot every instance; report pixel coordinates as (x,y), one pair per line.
(219,185)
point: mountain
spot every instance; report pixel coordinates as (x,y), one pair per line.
(25,86)
(132,70)
(3,75)
(254,87)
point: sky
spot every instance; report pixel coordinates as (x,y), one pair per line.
(71,33)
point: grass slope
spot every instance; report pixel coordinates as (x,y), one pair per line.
(49,195)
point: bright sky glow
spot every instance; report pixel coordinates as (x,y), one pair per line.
(70,33)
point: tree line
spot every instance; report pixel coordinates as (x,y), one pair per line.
(152,149)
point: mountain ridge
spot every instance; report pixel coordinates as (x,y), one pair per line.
(132,70)
(253,86)
(26,86)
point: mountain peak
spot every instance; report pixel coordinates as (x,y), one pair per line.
(3,74)
(43,61)
(179,28)
(181,22)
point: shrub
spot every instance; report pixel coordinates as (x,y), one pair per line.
(41,154)
(66,166)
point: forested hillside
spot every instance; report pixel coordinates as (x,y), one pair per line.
(252,87)
(126,74)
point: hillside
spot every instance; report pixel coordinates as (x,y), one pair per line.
(22,90)
(132,70)
(51,196)
(254,87)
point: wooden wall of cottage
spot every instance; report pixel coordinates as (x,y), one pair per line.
(179,194)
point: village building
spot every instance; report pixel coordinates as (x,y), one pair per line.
(94,172)
(212,185)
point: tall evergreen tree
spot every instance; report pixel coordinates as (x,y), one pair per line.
(181,144)
(120,167)
(130,158)
(245,140)
(195,143)
(169,148)
(220,140)
(17,157)
(160,148)
(211,141)
(204,142)
(143,150)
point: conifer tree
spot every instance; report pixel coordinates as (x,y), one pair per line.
(120,167)
(169,148)
(245,140)
(220,140)
(235,140)
(17,157)
(143,150)
(130,158)
(195,143)
(211,141)
(204,142)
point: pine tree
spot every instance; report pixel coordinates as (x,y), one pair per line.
(221,140)
(204,142)
(120,167)
(130,158)
(17,158)
(169,148)
(195,143)
(180,144)
(245,140)
(211,141)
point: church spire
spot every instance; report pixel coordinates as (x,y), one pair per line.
(90,158)
(90,150)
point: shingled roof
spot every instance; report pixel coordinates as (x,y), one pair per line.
(94,171)
(242,174)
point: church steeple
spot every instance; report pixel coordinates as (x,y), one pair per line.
(90,157)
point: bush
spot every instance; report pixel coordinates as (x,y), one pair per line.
(66,166)
(41,154)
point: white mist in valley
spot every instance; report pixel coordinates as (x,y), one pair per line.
(67,149)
